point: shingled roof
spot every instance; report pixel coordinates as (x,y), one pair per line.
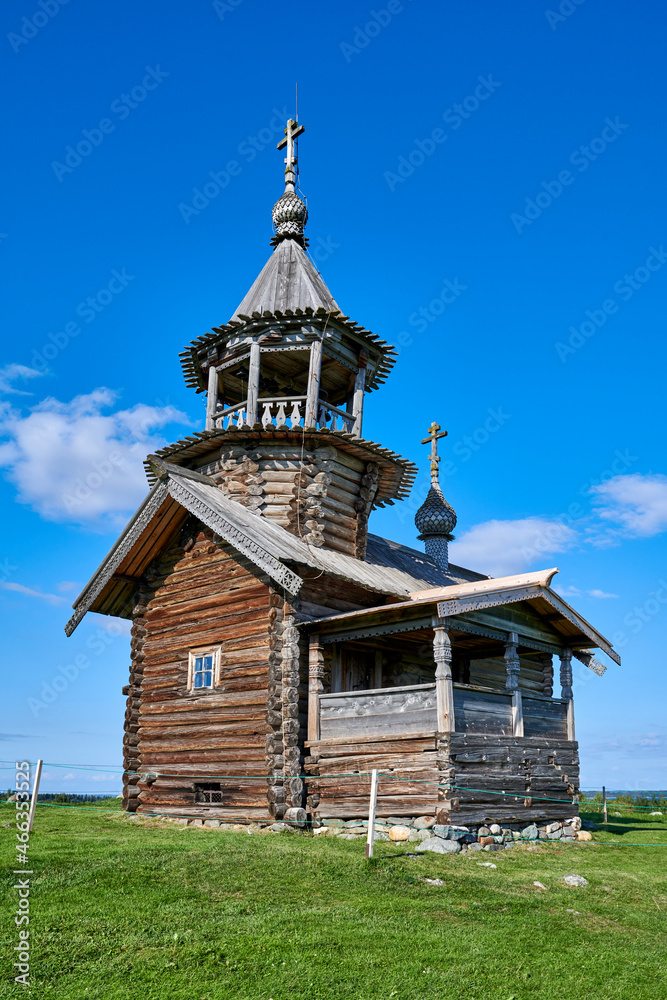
(287,281)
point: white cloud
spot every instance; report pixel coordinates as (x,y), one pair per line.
(72,462)
(636,503)
(502,548)
(20,589)
(600,594)
(66,585)
(10,373)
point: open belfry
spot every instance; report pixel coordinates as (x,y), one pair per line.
(279,651)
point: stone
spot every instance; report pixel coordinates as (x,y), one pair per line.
(567,833)
(474,847)
(483,831)
(506,832)
(424,834)
(655,814)
(584,835)
(529,832)
(555,834)
(321,831)
(354,824)
(494,829)
(254,828)
(486,864)
(451,832)
(574,822)
(607,888)
(183,822)
(424,822)
(552,827)
(577,880)
(540,885)
(397,833)
(439,846)
(415,835)
(433,881)
(587,825)
(399,821)
(197,822)
(543,835)
(212,822)
(350,836)
(486,841)
(509,845)
(494,847)
(333,822)
(283,828)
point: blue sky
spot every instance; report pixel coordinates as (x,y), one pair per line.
(486,191)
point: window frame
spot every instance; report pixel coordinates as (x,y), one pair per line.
(196,654)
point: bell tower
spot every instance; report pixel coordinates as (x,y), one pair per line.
(285,381)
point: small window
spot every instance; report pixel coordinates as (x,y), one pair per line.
(203,670)
(208,795)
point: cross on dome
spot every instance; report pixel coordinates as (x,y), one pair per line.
(292,132)
(433,437)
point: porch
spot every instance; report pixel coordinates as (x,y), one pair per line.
(453,704)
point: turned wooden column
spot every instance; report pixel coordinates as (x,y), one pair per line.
(444,691)
(358,397)
(253,385)
(211,398)
(315,685)
(566,689)
(512,668)
(313,392)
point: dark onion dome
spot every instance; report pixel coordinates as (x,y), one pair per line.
(435,516)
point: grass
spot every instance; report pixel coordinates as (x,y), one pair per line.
(128,908)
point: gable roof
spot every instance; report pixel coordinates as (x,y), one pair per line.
(458,599)
(389,568)
(288,280)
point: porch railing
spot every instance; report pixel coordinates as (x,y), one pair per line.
(412,709)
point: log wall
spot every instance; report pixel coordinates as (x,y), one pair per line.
(319,493)
(540,778)
(200,595)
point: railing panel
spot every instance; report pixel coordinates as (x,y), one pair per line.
(381,712)
(544,718)
(482,711)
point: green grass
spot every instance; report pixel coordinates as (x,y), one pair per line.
(127,908)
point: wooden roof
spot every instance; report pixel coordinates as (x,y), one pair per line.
(288,281)
(528,591)
(389,569)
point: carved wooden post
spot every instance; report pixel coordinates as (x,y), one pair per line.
(313,393)
(211,397)
(566,689)
(358,397)
(315,686)
(253,384)
(444,692)
(513,666)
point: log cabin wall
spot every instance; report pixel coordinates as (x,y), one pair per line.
(542,772)
(201,595)
(320,494)
(131,756)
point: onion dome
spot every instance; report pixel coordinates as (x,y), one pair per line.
(290,216)
(435,516)
(436,519)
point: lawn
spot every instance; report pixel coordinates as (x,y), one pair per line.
(133,908)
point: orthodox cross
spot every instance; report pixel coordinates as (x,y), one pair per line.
(292,132)
(433,437)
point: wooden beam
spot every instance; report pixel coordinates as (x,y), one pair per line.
(444,692)
(211,398)
(315,685)
(253,384)
(566,689)
(358,397)
(512,667)
(313,393)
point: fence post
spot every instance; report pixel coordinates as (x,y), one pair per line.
(35,791)
(371,814)
(604,804)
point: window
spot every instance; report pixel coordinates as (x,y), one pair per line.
(203,669)
(208,795)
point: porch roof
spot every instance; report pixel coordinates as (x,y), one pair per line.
(525,597)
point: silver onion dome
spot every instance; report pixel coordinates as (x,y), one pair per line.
(289,215)
(435,516)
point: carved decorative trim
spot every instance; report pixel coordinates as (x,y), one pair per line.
(123,546)
(366,633)
(589,661)
(242,542)
(580,623)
